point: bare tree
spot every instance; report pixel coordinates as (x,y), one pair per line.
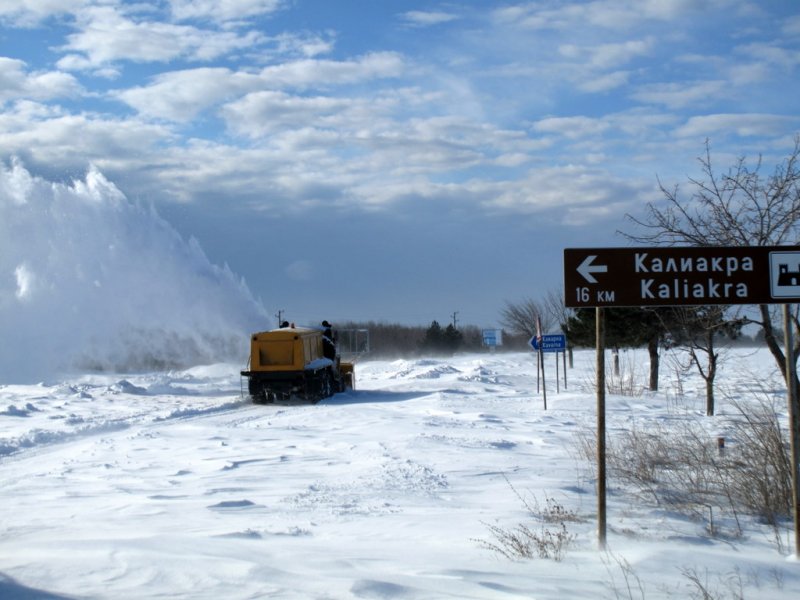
(555,307)
(520,318)
(699,329)
(742,207)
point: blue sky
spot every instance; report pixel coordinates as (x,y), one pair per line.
(395,160)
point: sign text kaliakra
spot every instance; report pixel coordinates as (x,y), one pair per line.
(681,276)
(644,263)
(682,288)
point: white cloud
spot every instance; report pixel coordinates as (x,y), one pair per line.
(581,194)
(572,127)
(16,83)
(608,14)
(321,73)
(226,10)
(262,112)
(180,95)
(605,83)
(306,45)
(63,142)
(420,18)
(608,56)
(642,124)
(682,94)
(594,68)
(106,35)
(745,125)
(28,13)
(771,54)
(375,129)
(748,74)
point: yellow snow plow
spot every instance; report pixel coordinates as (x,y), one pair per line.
(295,364)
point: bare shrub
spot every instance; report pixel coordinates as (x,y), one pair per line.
(632,587)
(761,477)
(523,542)
(623,382)
(682,466)
(549,540)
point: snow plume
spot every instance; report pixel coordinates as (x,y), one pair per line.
(90,280)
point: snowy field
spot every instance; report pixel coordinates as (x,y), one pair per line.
(159,485)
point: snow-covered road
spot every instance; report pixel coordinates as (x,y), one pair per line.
(172,485)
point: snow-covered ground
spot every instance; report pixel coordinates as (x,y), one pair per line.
(171,484)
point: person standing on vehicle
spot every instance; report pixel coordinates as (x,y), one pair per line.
(328,345)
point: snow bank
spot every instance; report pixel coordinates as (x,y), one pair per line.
(91,280)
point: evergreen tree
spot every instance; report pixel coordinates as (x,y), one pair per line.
(434,338)
(452,339)
(624,328)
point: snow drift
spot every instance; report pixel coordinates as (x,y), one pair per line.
(171,485)
(91,280)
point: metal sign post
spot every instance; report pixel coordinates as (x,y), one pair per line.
(794,435)
(553,342)
(601,427)
(544,384)
(558,389)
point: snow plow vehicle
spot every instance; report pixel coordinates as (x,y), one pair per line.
(295,364)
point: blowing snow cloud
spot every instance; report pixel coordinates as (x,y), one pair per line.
(90,280)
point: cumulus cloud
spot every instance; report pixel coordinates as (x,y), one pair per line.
(105,34)
(373,128)
(303,44)
(32,12)
(230,10)
(321,73)
(579,193)
(62,141)
(181,95)
(260,113)
(17,82)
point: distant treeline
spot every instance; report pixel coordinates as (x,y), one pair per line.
(392,340)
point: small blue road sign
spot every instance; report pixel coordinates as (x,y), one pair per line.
(552,342)
(493,337)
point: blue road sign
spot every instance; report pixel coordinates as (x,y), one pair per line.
(493,337)
(552,342)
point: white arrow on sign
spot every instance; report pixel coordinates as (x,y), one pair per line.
(586,268)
